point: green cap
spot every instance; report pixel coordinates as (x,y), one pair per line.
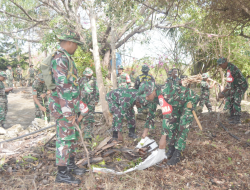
(146,87)
(120,67)
(221,60)
(205,75)
(144,68)
(69,35)
(87,72)
(40,76)
(3,74)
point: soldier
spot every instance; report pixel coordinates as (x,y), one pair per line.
(204,97)
(176,124)
(121,103)
(89,95)
(31,75)
(143,77)
(236,86)
(39,92)
(64,105)
(3,99)
(9,74)
(123,80)
(174,77)
(19,73)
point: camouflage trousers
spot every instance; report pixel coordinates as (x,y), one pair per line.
(31,80)
(235,97)
(19,78)
(9,83)
(176,126)
(227,103)
(118,114)
(88,122)
(205,100)
(40,114)
(65,143)
(3,112)
(149,110)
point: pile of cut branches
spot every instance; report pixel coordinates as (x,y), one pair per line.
(192,79)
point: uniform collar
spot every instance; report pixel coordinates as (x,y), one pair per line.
(62,49)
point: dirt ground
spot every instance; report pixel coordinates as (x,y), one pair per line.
(212,160)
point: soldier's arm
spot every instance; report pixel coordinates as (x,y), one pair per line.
(137,82)
(34,93)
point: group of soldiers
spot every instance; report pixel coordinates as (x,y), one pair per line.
(65,100)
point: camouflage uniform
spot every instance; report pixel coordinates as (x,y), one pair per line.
(89,95)
(19,73)
(38,89)
(237,87)
(143,77)
(204,97)
(3,100)
(123,80)
(122,101)
(175,81)
(9,79)
(31,75)
(177,124)
(64,102)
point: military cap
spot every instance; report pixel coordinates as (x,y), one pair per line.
(3,74)
(18,64)
(205,75)
(40,76)
(146,87)
(221,60)
(8,65)
(31,65)
(69,35)
(120,67)
(144,68)
(87,72)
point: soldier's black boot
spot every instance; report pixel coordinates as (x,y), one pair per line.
(236,120)
(132,134)
(73,168)
(230,118)
(175,158)
(233,120)
(63,176)
(115,135)
(170,151)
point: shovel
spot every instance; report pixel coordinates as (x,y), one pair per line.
(189,105)
(45,116)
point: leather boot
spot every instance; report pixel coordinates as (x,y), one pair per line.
(230,118)
(63,176)
(170,151)
(73,168)
(175,158)
(232,121)
(236,120)
(132,134)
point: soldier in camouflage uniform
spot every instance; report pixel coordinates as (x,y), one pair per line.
(10,78)
(204,97)
(236,86)
(3,99)
(19,73)
(39,92)
(31,75)
(64,104)
(121,103)
(89,95)
(123,80)
(174,77)
(143,77)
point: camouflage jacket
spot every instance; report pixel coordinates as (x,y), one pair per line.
(9,74)
(239,80)
(38,89)
(89,90)
(32,72)
(204,88)
(175,81)
(141,78)
(65,97)
(178,96)
(3,94)
(19,70)
(123,81)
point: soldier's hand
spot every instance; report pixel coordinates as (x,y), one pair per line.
(71,118)
(43,109)
(43,95)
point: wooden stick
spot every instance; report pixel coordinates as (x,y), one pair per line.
(197,120)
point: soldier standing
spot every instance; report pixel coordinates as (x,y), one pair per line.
(64,105)
(143,77)
(236,86)
(31,75)
(89,93)
(9,74)
(174,77)
(123,79)
(204,97)
(19,73)
(39,92)
(3,99)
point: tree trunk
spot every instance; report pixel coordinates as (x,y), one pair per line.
(96,55)
(113,72)
(106,59)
